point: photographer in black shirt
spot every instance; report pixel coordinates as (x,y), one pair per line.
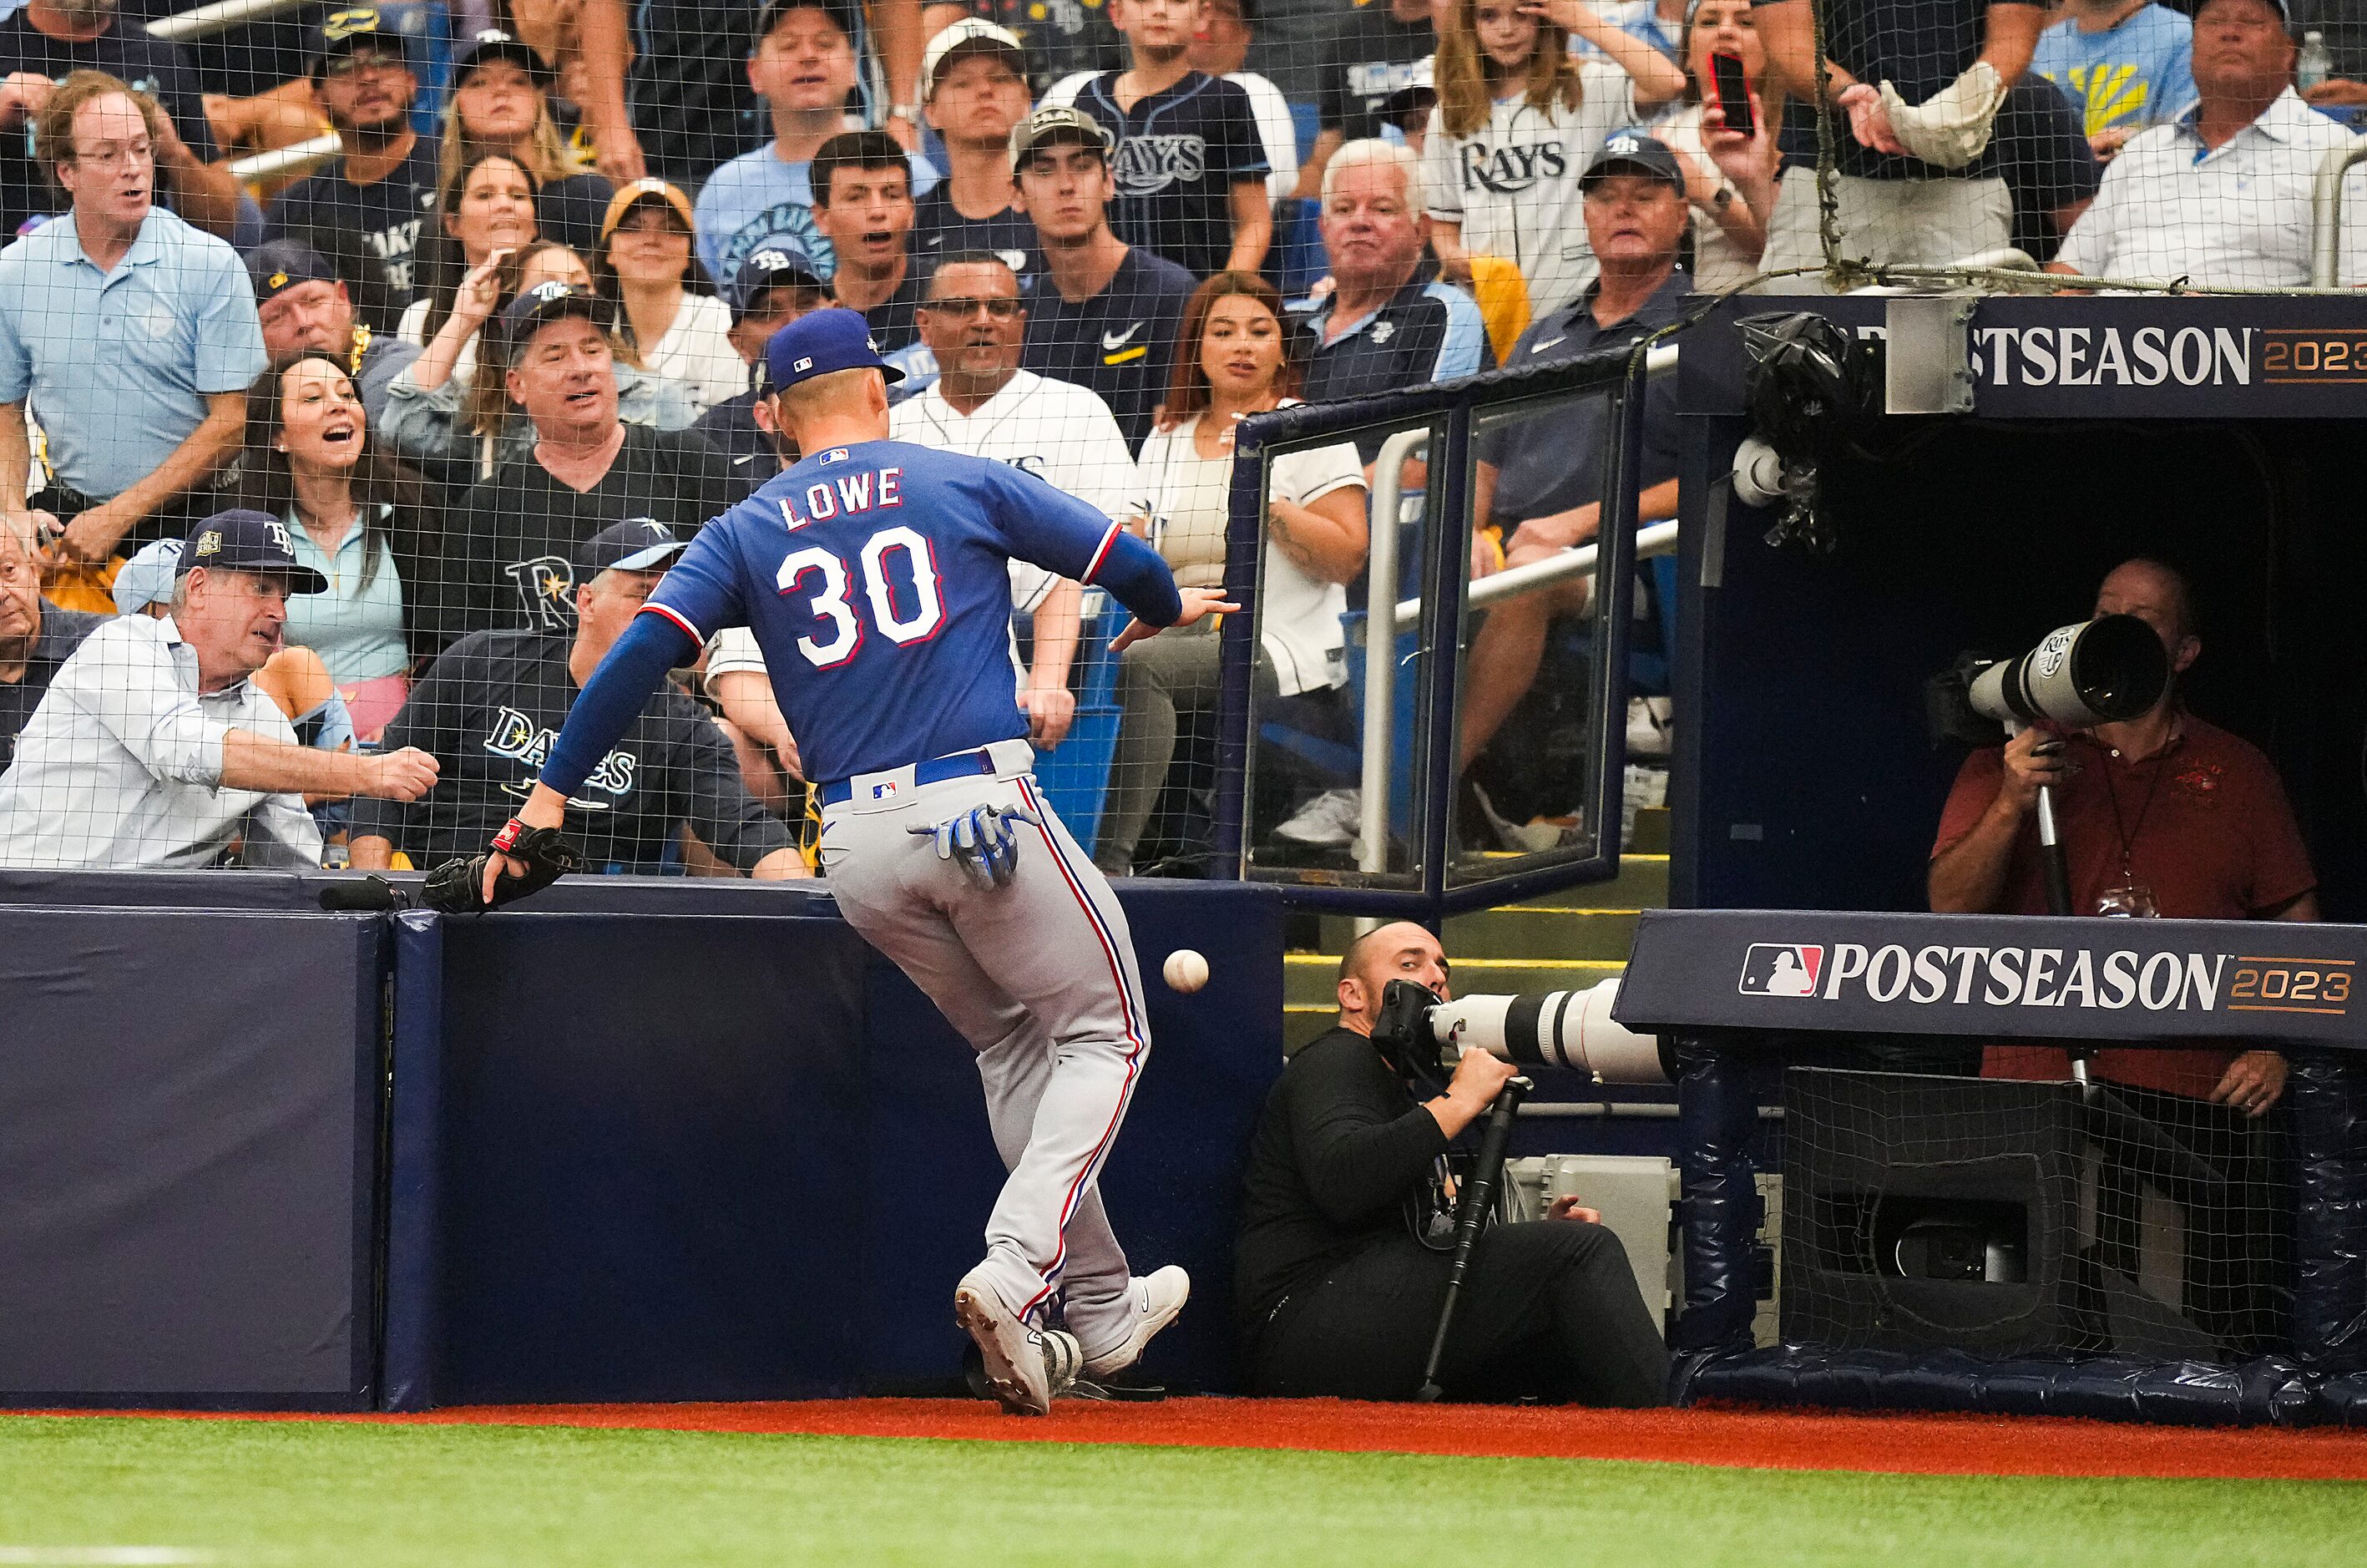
(1342,1263)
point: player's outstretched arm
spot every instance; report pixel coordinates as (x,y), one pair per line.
(1197,602)
(611,699)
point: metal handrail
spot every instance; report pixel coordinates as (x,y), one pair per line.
(1380,648)
(221,16)
(1383,609)
(1661,538)
(2325,213)
(296,155)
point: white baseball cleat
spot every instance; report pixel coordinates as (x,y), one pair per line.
(1158,1297)
(1026,1367)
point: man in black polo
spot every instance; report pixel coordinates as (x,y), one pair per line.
(774,287)
(36,637)
(586,470)
(1106,313)
(384,185)
(492,704)
(1388,322)
(1917,86)
(1370,59)
(1540,480)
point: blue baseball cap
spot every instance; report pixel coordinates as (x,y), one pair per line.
(818,344)
(244,541)
(147,578)
(549,302)
(1634,152)
(283,264)
(356,27)
(637,544)
(771,267)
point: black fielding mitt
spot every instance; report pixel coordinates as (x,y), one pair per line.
(455,887)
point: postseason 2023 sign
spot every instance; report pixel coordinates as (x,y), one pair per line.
(1998,977)
(2070,356)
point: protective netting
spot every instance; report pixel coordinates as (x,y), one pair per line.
(2011,1218)
(2127,142)
(362,369)
(444,293)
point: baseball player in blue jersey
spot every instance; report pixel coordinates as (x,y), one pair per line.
(874,575)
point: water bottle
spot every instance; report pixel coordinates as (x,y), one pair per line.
(2315,64)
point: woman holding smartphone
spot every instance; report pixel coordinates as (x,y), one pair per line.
(1729,171)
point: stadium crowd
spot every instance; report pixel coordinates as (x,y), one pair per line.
(446,403)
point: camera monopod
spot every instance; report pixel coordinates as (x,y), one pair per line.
(1471,1216)
(2093,672)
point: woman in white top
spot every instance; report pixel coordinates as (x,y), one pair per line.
(488,215)
(1231,361)
(1517,121)
(669,312)
(1729,177)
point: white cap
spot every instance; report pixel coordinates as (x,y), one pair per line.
(968,30)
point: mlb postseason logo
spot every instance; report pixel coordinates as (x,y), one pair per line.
(1781,969)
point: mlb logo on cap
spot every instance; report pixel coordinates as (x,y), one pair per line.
(1781,969)
(804,364)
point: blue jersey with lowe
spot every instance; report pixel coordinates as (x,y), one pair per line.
(874,578)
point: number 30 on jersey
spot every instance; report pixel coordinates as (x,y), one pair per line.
(841,619)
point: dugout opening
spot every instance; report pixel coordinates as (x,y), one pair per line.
(1806,779)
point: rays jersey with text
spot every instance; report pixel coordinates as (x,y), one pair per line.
(876,580)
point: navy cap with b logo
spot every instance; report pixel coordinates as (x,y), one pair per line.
(816,345)
(242,540)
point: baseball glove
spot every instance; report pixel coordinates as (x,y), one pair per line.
(456,887)
(983,842)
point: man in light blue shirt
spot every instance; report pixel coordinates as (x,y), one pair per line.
(804,64)
(2124,64)
(132,335)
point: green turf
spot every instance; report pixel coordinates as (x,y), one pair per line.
(355,1496)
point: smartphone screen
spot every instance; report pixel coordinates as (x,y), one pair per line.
(1733,93)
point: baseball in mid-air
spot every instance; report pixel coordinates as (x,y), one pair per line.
(1185,971)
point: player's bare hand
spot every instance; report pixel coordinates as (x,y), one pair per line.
(1051,710)
(1479,1078)
(2253,1082)
(404,775)
(1197,602)
(1567,1207)
(2032,758)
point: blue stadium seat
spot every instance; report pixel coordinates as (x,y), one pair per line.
(1075,775)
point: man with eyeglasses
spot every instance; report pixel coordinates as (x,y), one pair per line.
(132,332)
(46,42)
(384,185)
(36,639)
(981,403)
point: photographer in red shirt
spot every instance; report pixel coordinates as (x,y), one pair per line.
(2162,815)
